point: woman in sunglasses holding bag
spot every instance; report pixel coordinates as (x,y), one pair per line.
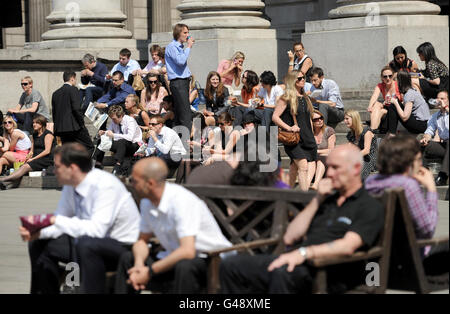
(293,113)
(388,88)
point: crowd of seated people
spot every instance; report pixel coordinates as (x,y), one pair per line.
(147,127)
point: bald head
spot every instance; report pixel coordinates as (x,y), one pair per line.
(152,168)
(350,153)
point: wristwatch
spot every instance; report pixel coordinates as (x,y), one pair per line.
(303,252)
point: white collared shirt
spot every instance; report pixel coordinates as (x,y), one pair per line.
(128,130)
(271,99)
(180,214)
(168,142)
(107,210)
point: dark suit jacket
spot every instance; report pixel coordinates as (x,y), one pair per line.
(66,110)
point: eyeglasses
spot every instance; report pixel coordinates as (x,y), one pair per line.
(299,50)
(388,76)
(152,82)
(153,124)
(7,122)
(317,119)
(24,84)
(300,78)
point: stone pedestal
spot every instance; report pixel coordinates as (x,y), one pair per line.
(357,42)
(221,28)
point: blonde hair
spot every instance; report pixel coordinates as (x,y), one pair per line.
(136,101)
(290,94)
(238,55)
(14,124)
(357,126)
(324,126)
(28,79)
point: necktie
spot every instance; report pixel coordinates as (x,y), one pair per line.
(78,208)
(120,128)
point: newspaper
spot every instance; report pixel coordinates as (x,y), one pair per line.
(97,118)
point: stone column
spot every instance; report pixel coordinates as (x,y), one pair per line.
(161,16)
(38,10)
(358,8)
(204,14)
(222,27)
(358,39)
(86,19)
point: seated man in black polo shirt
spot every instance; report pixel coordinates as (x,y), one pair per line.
(341,219)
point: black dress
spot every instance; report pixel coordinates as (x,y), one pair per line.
(370,160)
(39,147)
(307,147)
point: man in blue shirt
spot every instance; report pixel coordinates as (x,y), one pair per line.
(176,58)
(116,95)
(329,102)
(126,65)
(94,73)
(438,149)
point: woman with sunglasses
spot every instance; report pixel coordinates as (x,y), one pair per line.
(414,114)
(230,70)
(293,113)
(363,137)
(41,155)
(388,88)
(152,95)
(300,61)
(16,144)
(326,140)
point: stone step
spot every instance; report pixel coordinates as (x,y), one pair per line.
(50,182)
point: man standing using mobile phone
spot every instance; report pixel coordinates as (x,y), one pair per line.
(176,58)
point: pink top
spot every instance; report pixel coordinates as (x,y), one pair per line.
(223,66)
(153,105)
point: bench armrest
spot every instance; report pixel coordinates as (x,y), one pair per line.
(355,257)
(432,242)
(244,246)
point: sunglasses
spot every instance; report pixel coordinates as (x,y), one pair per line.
(221,124)
(152,82)
(153,124)
(244,77)
(7,122)
(317,119)
(300,50)
(24,84)
(300,78)
(388,76)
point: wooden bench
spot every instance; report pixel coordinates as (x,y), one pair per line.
(257,222)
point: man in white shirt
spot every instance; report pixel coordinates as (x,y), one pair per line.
(164,143)
(126,135)
(184,226)
(126,65)
(438,149)
(96,221)
(329,102)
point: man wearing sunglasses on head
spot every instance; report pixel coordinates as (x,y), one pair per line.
(31,102)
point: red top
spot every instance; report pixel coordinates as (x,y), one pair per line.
(382,87)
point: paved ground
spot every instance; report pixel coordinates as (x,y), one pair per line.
(14,262)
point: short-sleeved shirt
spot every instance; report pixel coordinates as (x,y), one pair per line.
(180,214)
(420,108)
(360,213)
(26,102)
(434,70)
(329,131)
(271,99)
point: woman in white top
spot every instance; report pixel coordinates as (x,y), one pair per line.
(16,144)
(152,95)
(268,94)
